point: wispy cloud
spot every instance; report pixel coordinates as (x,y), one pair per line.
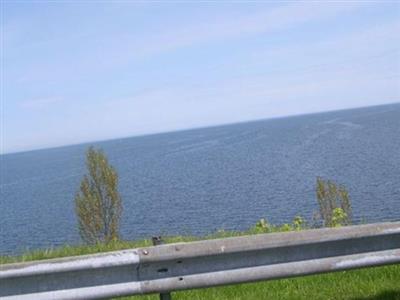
(354,41)
(360,48)
(229,28)
(110,51)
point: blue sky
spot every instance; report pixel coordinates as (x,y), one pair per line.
(77,71)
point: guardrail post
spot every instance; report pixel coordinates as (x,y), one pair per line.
(157,240)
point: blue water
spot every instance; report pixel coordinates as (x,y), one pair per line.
(199,181)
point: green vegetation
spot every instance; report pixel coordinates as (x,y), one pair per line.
(334,203)
(120,245)
(98,203)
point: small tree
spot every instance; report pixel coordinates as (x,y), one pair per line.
(98,203)
(334,203)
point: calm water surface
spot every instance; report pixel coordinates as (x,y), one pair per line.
(199,181)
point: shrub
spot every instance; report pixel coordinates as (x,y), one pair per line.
(334,203)
(285,227)
(339,217)
(98,203)
(298,223)
(262,226)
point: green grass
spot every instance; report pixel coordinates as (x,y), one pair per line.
(380,283)
(113,246)
(120,245)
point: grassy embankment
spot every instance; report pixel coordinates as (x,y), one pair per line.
(381,283)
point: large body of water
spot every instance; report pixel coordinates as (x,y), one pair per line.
(199,181)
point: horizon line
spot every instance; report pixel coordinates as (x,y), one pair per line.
(195,128)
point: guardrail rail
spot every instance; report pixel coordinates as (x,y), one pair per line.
(172,267)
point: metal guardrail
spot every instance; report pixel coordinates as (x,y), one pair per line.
(172,267)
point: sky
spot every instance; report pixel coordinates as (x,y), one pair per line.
(79,71)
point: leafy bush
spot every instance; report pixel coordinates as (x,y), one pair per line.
(262,226)
(298,223)
(339,217)
(334,203)
(98,203)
